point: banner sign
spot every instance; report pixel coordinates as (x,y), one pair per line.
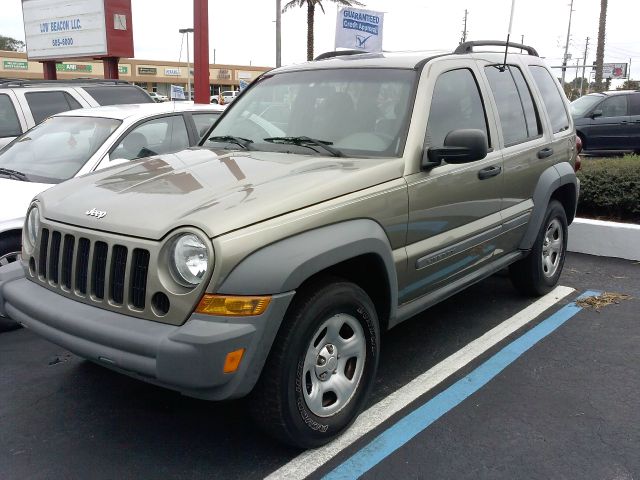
(63,29)
(73,68)
(243,84)
(147,71)
(614,70)
(15,65)
(359,29)
(123,69)
(172,72)
(177,92)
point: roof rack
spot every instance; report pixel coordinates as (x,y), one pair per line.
(467,47)
(20,82)
(338,53)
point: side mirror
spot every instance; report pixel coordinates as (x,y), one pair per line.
(460,146)
(596,113)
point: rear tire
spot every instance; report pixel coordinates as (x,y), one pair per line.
(539,271)
(321,367)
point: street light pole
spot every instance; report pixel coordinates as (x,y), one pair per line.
(566,45)
(188,31)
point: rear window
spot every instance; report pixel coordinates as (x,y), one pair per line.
(9,123)
(118,95)
(550,90)
(45,104)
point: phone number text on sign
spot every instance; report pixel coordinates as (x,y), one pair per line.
(62,42)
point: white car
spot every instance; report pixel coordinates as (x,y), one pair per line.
(158,97)
(78,142)
(228,96)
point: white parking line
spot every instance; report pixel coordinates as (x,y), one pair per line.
(308,462)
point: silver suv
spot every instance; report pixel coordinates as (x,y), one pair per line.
(25,103)
(270,260)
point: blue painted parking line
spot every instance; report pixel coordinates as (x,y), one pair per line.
(415,422)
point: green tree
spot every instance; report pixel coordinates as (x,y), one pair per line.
(630,85)
(311,10)
(8,43)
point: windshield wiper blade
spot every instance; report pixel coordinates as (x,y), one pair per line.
(245,143)
(307,142)
(15,174)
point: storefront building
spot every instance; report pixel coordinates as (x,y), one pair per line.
(153,76)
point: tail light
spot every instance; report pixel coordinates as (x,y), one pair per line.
(578,163)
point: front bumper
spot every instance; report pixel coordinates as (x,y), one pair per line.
(187,358)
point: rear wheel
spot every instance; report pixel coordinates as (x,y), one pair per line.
(538,272)
(321,367)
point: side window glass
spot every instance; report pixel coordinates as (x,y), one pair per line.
(118,95)
(45,104)
(155,137)
(510,107)
(203,122)
(9,123)
(634,104)
(614,106)
(456,103)
(552,98)
(531,116)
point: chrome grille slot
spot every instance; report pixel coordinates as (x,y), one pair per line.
(99,269)
(82,265)
(44,248)
(67,261)
(139,270)
(118,272)
(54,257)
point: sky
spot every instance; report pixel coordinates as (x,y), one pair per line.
(243,31)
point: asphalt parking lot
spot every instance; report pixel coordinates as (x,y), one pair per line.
(565,407)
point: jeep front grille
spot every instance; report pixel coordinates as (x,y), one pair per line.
(95,270)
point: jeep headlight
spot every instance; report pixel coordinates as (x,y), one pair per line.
(189,259)
(32,226)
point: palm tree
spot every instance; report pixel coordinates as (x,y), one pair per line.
(600,48)
(311,10)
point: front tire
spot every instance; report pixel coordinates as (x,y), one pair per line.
(321,367)
(539,272)
(10,248)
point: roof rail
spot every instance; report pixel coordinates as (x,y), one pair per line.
(338,53)
(20,82)
(467,47)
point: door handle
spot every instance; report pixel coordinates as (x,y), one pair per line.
(545,152)
(624,121)
(489,172)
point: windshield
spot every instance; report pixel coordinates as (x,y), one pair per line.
(57,149)
(358,112)
(582,105)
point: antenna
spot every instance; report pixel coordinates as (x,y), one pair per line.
(464,30)
(506,48)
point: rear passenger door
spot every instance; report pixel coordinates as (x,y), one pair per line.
(634,121)
(454,210)
(609,128)
(526,152)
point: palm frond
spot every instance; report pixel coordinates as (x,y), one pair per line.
(293,3)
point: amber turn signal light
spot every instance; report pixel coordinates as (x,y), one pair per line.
(232,362)
(232,306)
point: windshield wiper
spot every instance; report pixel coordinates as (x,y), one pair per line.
(15,174)
(306,142)
(245,143)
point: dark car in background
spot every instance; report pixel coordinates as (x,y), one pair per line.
(608,120)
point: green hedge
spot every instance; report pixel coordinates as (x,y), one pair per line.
(610,189)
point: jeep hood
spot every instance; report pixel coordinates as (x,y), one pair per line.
(216,192)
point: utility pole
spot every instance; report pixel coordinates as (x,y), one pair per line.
(464,30)
(566,45)
(278,33)
(584,63)
(187,31)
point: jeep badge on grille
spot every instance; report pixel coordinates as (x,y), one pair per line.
(96,213)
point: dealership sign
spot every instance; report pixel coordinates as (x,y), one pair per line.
(63,29)
(172,72)
(359,29)
(73,68)
(15,65)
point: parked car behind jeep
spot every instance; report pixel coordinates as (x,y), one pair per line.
(25,103)
(270,261)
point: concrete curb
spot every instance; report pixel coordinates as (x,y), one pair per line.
(605,239)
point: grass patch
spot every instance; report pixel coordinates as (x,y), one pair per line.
(610,189)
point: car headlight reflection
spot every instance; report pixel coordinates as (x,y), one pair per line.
(32,227)
(189,260)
